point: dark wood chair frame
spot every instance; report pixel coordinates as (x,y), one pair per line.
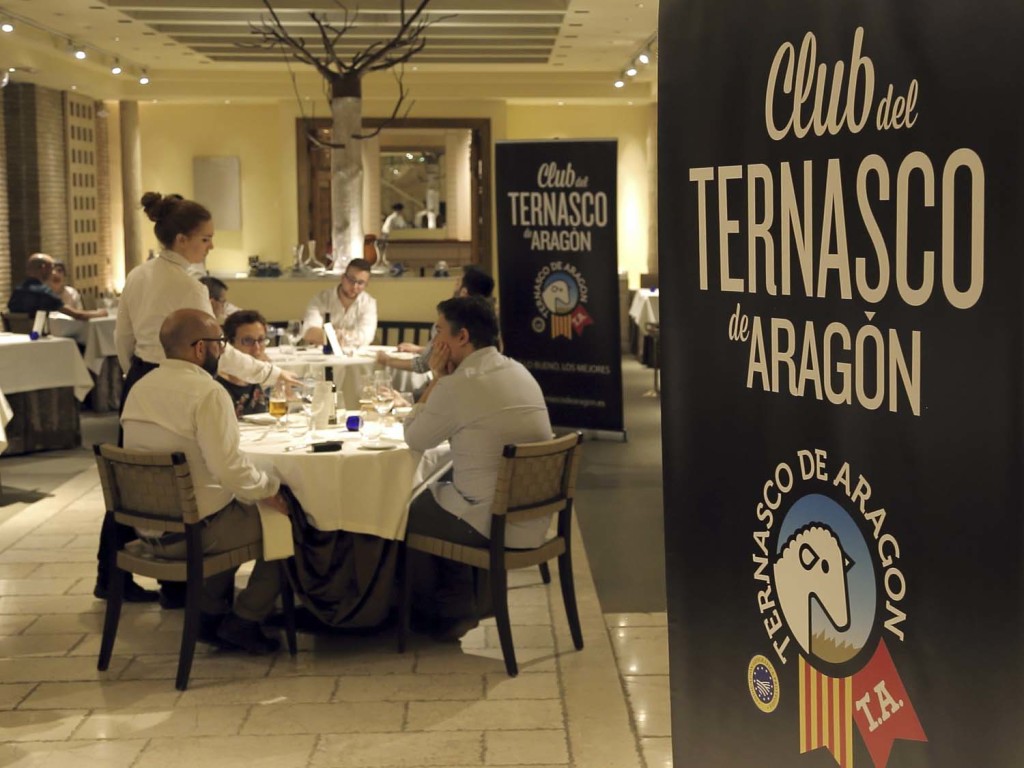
(393,332)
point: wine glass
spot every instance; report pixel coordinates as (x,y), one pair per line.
(293,332)
(349,342)
(278,405)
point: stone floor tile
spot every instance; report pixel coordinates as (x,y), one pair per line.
(151,722)
(297,690)
(208,663)
(142,694)
(36,604)
(37,540)
(657,752)
(134,641)
(57,669)
(133,617)
(530,614)
(13,694)
(83,585)
(649,701)
(341,663)
(70,754)
(66,570)
(22,646)
(526,748)
(39,725)
(88,540)
(659,619)
(421,687)
(400,750)
(523,637)
(35,586)
(14,624)
(346,717)
(16,570)
(228,752)
(539,685)
(517,714)
(641,650)
(536,596)
(438,659)
(48,556)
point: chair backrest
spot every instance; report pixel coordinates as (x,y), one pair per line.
(18,322)
(147,490)
(392,332)
(537,479)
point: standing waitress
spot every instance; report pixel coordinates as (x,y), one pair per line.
(152,291)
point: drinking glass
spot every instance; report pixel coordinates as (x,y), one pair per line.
(349,342)
(372,428)
(278,405)
(294,332)
(298,418)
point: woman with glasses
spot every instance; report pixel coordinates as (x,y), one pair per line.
(246,331)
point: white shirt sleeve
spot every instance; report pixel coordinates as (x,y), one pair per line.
(246,367)
(432,422)
(314,313)
(124,337)
(218,439)
(367,322)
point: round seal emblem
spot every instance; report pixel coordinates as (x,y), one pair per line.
(763,683)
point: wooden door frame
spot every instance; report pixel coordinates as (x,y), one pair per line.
(481,148)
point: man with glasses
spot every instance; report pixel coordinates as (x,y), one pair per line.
(246,331)
(353,311)
(179,407)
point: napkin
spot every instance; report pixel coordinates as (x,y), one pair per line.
(277,533)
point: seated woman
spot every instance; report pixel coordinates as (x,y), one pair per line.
(246,331)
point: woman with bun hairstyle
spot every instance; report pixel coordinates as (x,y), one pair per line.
(152,291)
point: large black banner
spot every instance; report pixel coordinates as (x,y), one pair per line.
(841,198)
(557,259)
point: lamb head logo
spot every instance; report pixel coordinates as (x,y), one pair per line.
(812,568)
(559,294)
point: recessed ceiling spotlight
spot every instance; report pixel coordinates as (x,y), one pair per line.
(79,52)
(620,83)
(143,78)
(74,87)
(116,69)
(644,57)
(631,72)
(6,26)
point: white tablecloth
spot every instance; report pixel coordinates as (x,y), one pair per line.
(6,414)
(356,490)
(47,363)
(644,308)
(96,334)
(350,373)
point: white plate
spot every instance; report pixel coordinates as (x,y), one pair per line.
(401,355)
(259,418)
(378,447)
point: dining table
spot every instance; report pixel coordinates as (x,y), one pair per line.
(350,508)
(644,309)
(96,338)
(43,380)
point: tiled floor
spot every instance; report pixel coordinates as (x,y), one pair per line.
(343,701)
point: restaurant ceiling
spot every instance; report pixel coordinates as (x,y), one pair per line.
(202,49)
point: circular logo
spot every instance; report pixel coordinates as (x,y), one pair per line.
(560,293)
(825,580)
(763,683)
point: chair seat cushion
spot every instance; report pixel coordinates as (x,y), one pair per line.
(480,557)
(137,558)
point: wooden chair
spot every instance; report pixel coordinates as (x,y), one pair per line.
(154,491)
(392,332)
(17,322)
(535,480)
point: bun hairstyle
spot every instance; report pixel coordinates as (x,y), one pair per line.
(173,215)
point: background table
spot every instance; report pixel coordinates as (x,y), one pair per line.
(43,381)
(644,309)
(100,355)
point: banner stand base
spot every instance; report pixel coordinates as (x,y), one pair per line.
(604,434)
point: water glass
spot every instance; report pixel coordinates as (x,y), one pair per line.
(373,427)
(298,418)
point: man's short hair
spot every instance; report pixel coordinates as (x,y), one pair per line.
(362,265)
(242,317)
(215,286)
(477,282)
(476,315)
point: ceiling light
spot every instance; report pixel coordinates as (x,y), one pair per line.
(619,83)
(116,69)
(143,78)
(6,26)
(79,51)
(631,72)
(408,155)
(644,57)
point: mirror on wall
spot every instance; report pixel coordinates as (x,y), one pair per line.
(413,194)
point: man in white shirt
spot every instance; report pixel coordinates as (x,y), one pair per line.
(180,407)
(479,400)
(352,310)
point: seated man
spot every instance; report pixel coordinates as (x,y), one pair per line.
(480,401)
(353,311)
(474,282)
(58,283)
(246,331)
(218,289)
(179,407)
(33,294)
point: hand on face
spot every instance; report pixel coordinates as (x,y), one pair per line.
(441,363)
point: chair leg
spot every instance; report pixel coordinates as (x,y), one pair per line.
(405,601)
(569,598)
(189,634)
(288,603)
(115,596)
(545,573)
(499,601)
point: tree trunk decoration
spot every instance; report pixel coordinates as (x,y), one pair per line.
(343,85)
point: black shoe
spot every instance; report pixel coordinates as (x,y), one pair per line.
(133,593)
(453,630)
(172,595)
(246,635)
(209,623)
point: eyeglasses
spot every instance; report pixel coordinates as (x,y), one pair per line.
(353,280)
(222,341)
(249,341)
